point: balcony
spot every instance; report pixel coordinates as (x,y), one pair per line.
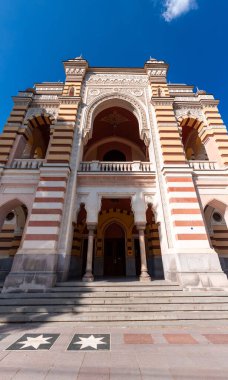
(116,174)
(116,167)
(203,165)
(24,163)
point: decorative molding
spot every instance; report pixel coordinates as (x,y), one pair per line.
(157,72)
(49,88)
(161,102)
(75,70)
(92,93)
(46,97)
(117,79)
(70,100)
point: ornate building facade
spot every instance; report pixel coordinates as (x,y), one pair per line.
(113,173)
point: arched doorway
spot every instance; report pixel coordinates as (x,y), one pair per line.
(114,251)
(13,217)
(215,212)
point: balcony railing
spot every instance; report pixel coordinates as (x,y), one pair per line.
(24,163)
(203,165)
(116,167)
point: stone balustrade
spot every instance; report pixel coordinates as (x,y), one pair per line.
(203,165)
(117,167)
(24,163)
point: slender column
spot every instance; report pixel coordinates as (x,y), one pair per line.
(144,275)
(88,276)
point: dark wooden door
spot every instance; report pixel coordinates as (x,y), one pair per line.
(114,257)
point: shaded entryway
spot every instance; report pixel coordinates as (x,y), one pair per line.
(215,212)
(13,217)
(114,251)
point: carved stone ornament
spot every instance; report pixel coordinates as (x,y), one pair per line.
(189,112)
(94,92)
(38,110)
(114,79)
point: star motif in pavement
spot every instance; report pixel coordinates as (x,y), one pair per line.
(91,341)
(34,342)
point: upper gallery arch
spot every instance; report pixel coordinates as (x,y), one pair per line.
(128,102)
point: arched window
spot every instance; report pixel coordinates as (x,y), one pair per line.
(71,91)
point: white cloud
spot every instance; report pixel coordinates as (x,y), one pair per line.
(175,8)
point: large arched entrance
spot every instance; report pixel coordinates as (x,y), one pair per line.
(114,251)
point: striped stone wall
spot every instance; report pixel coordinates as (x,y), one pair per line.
(219,239)
(11,129)
(169,136)
(44,221)
(187,220)
(216,129)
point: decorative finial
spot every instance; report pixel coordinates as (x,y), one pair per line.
(79,57)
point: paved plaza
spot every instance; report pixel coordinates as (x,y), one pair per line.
(72,351)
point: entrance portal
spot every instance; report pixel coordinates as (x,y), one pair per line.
(114,251)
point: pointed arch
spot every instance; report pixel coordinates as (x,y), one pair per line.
(191,128)
(37,131)
(116,100)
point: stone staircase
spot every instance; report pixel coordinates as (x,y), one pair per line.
(112,302)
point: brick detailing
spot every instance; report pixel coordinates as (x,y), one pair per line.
(170,140)
(62,138)
(44,222)
(69,85)
(11,128)
(187,219)
(7,139)
(152,238)
(217,130)
(9,240)
(61,144)
(219,238)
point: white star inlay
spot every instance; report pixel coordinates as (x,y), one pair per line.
(34,342)
(91,341)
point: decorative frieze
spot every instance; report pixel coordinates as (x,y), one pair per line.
(116,79)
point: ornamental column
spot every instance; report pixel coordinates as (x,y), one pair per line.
(88,276)
(144,275)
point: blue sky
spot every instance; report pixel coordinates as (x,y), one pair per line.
(36,35)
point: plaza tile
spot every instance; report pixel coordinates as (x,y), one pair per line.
(217,338)
(180,339)
(138,339)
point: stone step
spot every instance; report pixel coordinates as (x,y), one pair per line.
(107,309)
(116,289)
(111,301)
(81,295)
(115,316)
(129,283)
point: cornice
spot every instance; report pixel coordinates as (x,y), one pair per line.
(69,100)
